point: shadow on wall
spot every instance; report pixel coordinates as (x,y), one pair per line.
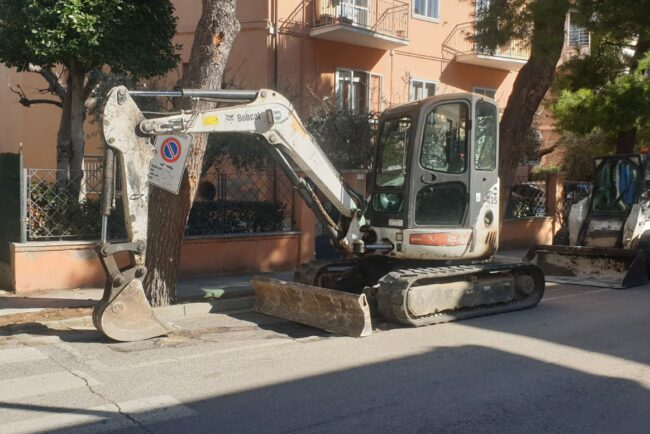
(10,197)
(10,215)
(464,76)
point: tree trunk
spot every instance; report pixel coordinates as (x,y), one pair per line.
(168,213)
(530,88)
(76,96)
(625,141)
(63,142)
(70,137)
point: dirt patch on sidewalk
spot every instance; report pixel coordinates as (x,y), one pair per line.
(44,315)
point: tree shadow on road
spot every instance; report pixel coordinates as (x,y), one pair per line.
(447,389)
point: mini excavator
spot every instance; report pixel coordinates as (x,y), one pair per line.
(417,251)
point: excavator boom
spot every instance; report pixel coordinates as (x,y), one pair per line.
(124,313)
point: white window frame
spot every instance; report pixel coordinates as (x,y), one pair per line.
(478,6)
(381,91)
(337,90)
(351,7)
(426,17)
(485,89)
(568,34)
(424,81)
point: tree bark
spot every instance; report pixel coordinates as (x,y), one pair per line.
(76,96)
(625,141)
(168,213)
(530,88)
(63,139)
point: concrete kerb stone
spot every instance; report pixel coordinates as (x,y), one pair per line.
(167,313)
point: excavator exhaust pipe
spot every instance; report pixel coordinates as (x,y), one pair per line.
(592,266)
(328,309)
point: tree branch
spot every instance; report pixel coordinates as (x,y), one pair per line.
(54,83)
(27,102)
(548,150)
(91,82)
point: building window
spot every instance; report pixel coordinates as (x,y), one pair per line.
(352,90)
(482,7)
(420,89)
(356,11)
(427,8)
(578,36)
(492,93)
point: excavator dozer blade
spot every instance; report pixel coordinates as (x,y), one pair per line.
(128,316)
(327,309)
(590,266)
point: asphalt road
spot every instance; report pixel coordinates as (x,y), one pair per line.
(579,362)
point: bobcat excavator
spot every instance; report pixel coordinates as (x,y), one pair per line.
(417,251)
(608,231)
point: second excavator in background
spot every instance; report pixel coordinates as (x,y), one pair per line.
(608,241)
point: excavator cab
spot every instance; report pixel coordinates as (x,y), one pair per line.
(435,186)
(430,226)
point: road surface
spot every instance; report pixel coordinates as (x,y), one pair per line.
(579,362)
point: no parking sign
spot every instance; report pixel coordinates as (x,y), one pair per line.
(166,170)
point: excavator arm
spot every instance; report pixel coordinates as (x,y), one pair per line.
(123,313)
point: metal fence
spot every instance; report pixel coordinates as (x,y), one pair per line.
(250,202)
(461,40)
(58,209)
(574,192)
(527,199)
(386,17)
(226,203)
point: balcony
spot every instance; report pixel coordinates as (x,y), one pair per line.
(511,56)
(381,24)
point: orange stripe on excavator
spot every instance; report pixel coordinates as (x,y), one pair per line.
(440,239)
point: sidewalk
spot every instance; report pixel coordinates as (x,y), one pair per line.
(196,290)
(197,295)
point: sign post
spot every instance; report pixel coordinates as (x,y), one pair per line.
(167,166)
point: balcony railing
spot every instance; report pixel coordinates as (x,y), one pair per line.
(461,44)
(377,23)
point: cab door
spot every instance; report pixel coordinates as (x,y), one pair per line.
(484,179)
(441,174)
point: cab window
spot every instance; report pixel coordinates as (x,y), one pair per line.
(444,144)
(393,142)
(485,154)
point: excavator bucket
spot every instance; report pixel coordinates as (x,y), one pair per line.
(128,316)
(327,309)
(591,266)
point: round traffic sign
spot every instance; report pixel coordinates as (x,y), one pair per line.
(170,151)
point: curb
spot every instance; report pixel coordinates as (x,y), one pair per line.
(198,308)
(171,312)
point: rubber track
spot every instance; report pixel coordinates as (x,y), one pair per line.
(309,272)
(394,287)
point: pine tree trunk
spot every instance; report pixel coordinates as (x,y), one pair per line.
(76,96)
(625,141)
(63,141)
(530,88)
(168,213)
